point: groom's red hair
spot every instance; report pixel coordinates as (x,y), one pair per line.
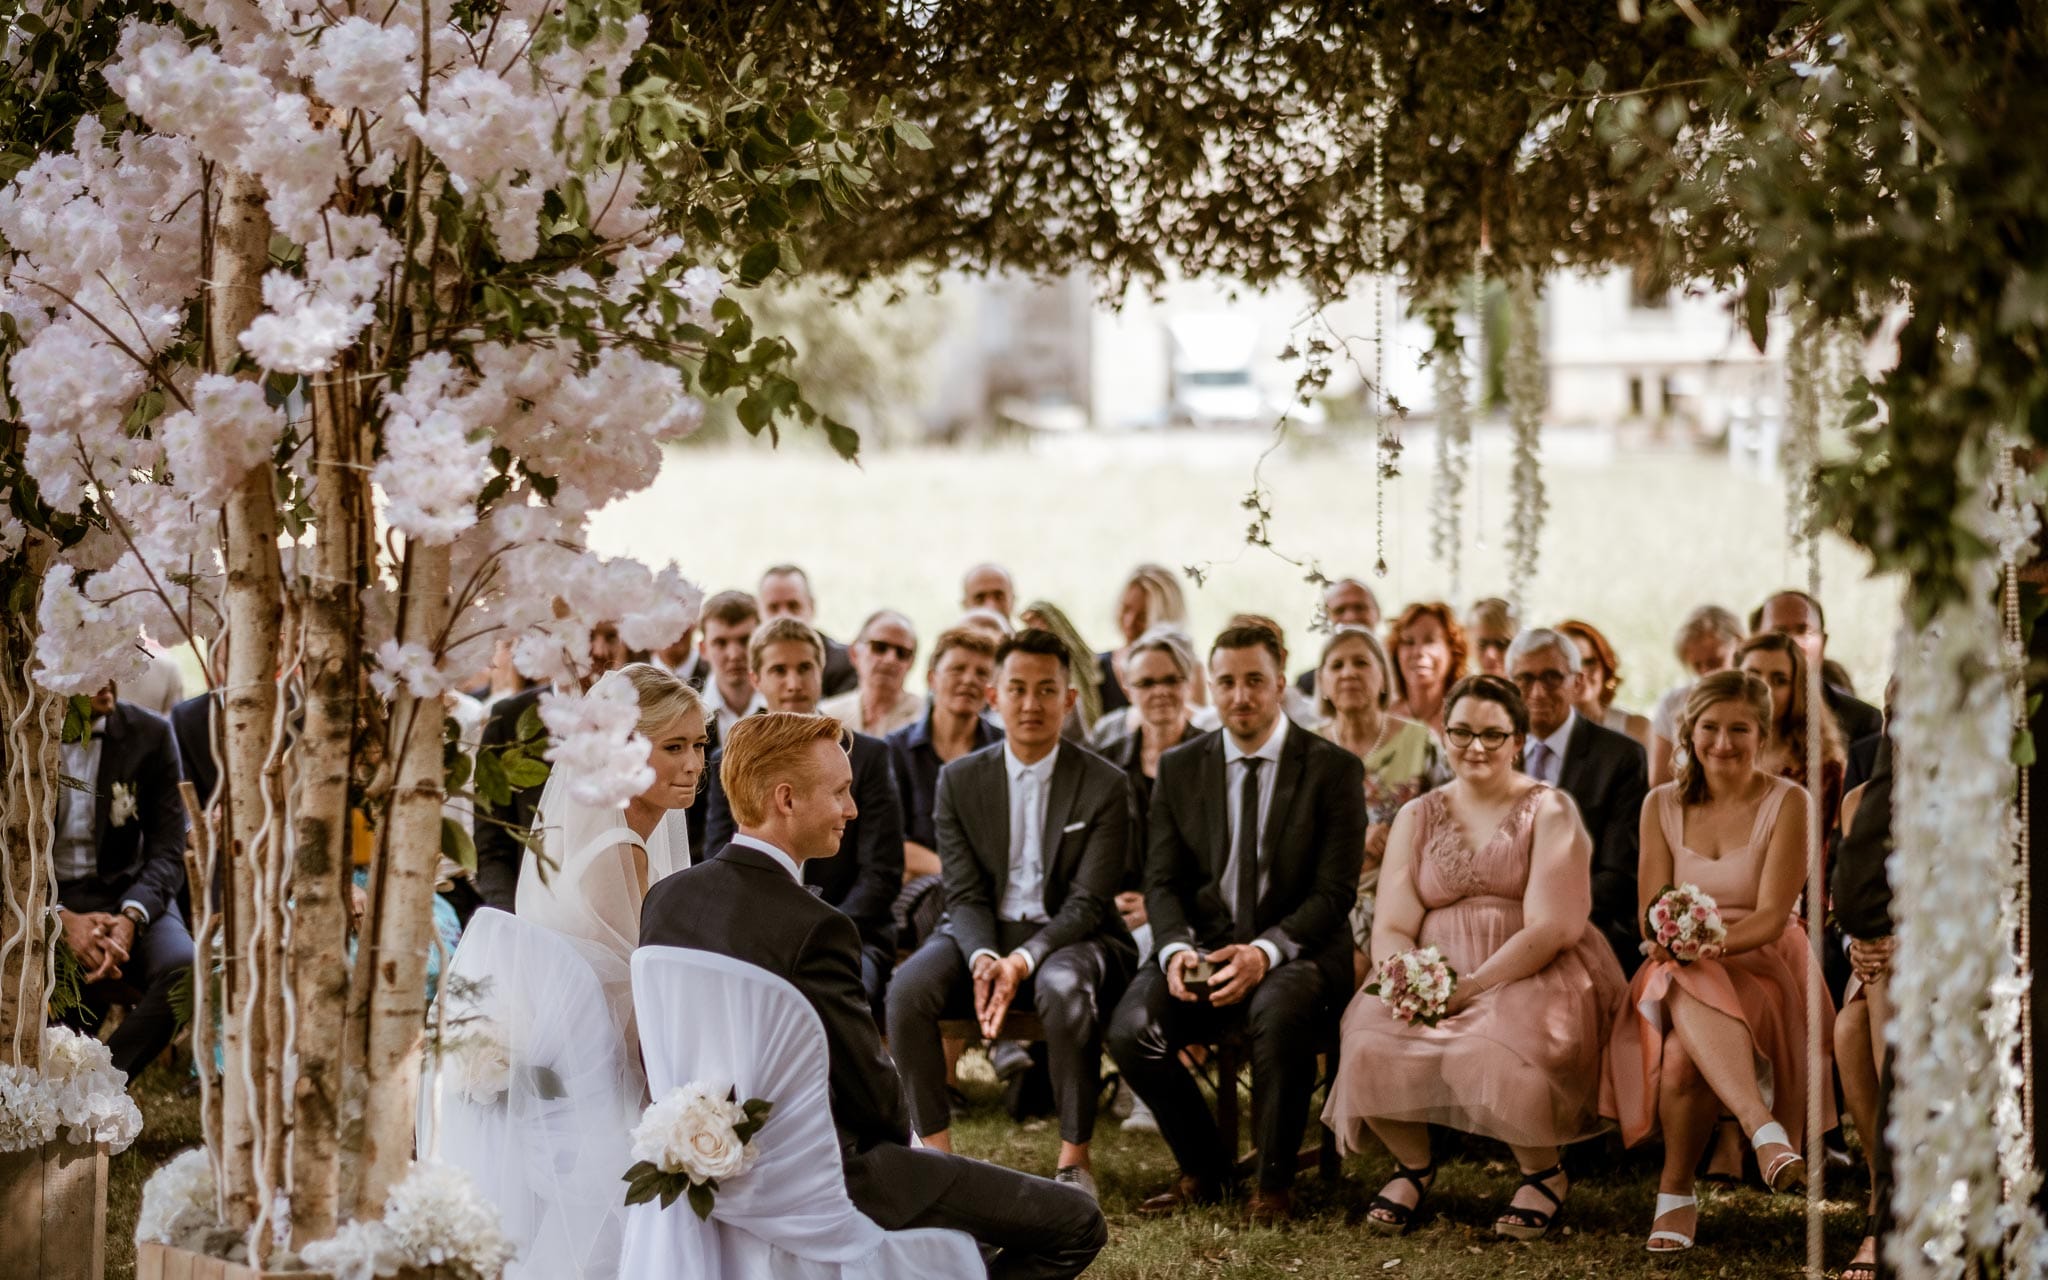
(762,751)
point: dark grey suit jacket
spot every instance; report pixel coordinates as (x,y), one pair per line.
(1313,845)
(1087,834)
(144,857)
(1607,775)
(741,904)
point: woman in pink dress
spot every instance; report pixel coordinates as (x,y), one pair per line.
(1494,870)
(1728,1032)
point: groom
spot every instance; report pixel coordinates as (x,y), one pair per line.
(791,791)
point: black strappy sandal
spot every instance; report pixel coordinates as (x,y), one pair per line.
(1859,1270)
(1531,1224)
(1400,1216)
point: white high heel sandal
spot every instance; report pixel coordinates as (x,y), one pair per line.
(1678,1241)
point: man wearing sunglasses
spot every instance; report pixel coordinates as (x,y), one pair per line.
(1604,772)
(786,660)
(882,654)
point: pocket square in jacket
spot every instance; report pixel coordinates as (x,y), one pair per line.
(1071,828)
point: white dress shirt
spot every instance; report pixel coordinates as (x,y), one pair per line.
(77,852)
(1233,793)
(1024,889)
(682,671)
(782,859)
(723,715)
(1548,764)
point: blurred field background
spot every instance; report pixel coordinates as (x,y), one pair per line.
(1635,535)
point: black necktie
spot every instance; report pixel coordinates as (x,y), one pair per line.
(1246,908)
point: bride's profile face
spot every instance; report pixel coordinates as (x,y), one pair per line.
(677,758)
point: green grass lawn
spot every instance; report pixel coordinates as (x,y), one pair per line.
(1743,1233)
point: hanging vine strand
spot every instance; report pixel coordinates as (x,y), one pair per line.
(1386,438)
(1525,421)
(1453,446)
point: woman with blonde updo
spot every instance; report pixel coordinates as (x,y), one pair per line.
(1698,1038)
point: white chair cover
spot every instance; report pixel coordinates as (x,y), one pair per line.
(710,1018)
(550,1153)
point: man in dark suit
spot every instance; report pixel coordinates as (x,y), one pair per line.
(1798,615)
(786,593)
(791,790)
(1257,832)
(1605,773)
(1033,837)
(498,827)
(862,880)
(120,864)
(1862,894)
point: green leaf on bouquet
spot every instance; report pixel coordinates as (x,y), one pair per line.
(757,1110)
(645,1180)
(702,1195)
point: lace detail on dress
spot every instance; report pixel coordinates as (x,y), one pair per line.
(1459,866)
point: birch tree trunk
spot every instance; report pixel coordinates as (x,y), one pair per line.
(320,860)
(30,719)
(402,893)
(249,708)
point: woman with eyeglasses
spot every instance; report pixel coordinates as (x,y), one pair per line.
(882,654)
(1700,1037)
(1494,870)
(1354,685)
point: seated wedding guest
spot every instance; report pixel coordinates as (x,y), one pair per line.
(1256,834)
(1706,642)
(1492,871)
(499,850)
(791,790)
(1428,648)
(1157,668)
(1347,602)
(1297,706)
(600,861)
(1043,615)
(1780,662)
(1798,615)
(1490,627)
(1697,1038)
(683,660)
(786,661)
(883,652)
(728,623)
(961,675)
(1033,836)
(119,861)
(1601,770)
(990,587)
(1602,672)
(1860,891)
(785,592)
(1400,756)
(1151,596)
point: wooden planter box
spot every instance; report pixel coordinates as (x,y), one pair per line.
(162,1262)
(53,1212)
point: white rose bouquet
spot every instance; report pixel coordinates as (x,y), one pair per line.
(1686,922)
(1416,985)
(690,1140)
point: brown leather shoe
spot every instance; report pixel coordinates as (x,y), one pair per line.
(1187,1191)
(1271,1208)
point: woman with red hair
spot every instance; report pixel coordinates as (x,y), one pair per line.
(1602,671)
(1429,657)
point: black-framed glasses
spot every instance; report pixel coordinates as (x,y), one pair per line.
(1157,682)
(1488,739)
(1550,680)
(882,649)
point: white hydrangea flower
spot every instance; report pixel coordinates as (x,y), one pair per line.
(28,1115)
(357,1251)
(438,1218)
(177,1201)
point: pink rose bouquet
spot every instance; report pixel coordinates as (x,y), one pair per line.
(1685,921)
(1416,985)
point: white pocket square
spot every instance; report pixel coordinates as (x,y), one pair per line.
(1071,828)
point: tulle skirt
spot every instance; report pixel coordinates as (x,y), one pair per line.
(1765,989)
(1520,1064)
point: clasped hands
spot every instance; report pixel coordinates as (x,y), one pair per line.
(995,985)
(101,941)
(1239,967)
(1872,960)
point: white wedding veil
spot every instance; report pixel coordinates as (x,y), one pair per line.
(590,887)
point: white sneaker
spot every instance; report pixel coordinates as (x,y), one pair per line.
(1075,1176)
(1140,1120)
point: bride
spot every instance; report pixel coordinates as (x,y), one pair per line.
(594,865)
(542,1081)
